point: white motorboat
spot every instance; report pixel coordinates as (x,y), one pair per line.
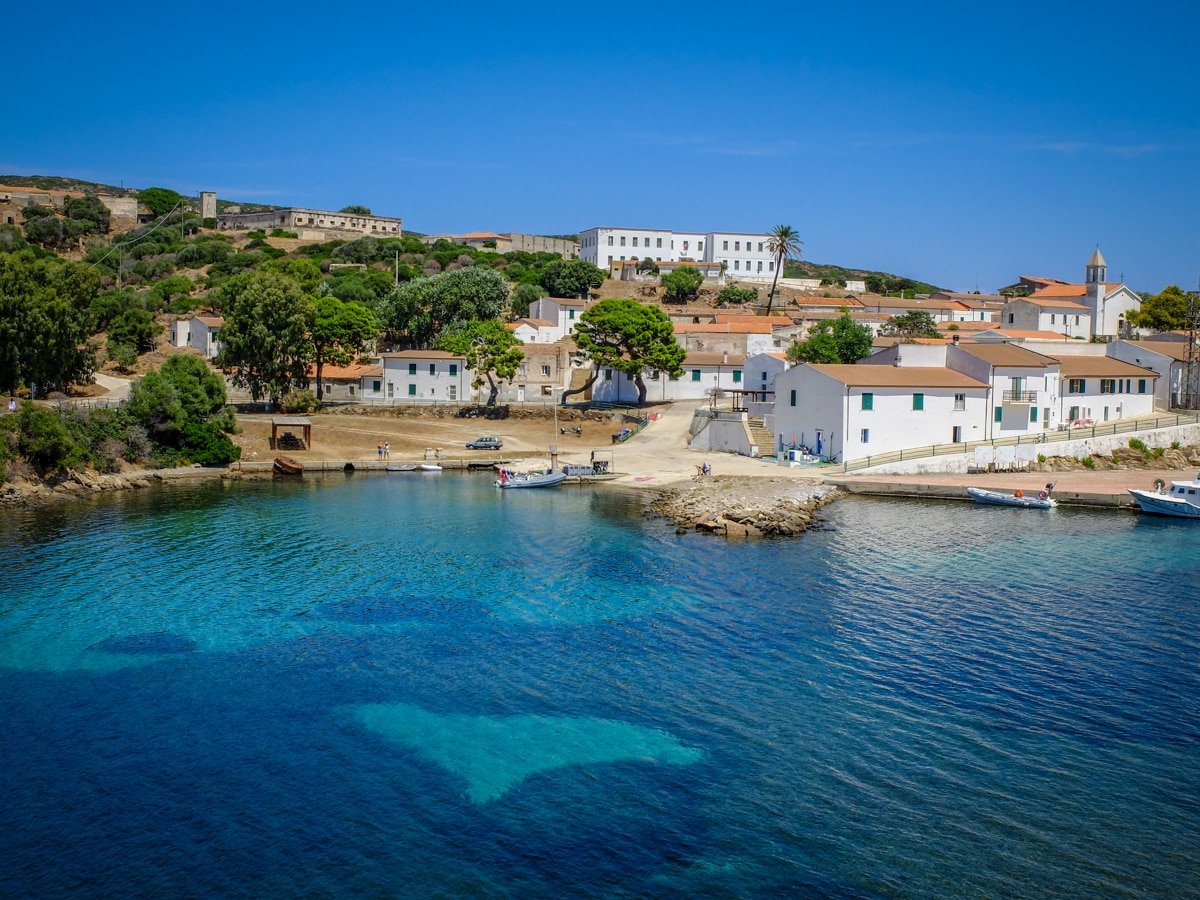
(509,479)
(429,467)
(1040,500)
(1181,501)
(402,467)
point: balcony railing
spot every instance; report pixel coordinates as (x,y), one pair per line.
(1020,396)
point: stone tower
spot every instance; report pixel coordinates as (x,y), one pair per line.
(208,204)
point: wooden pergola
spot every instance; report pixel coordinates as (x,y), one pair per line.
(301,422)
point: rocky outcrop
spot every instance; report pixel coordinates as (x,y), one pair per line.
(28,492)
(743,507)
(1174,458)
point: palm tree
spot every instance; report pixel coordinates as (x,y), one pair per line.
(784,242)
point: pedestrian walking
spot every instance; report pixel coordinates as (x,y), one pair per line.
(387,449)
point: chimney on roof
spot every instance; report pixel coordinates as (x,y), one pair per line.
(725,357)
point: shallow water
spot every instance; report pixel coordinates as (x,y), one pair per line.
(415,684)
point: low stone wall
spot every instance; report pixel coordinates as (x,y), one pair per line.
(1078,449)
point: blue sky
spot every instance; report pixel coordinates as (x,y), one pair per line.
(964,144)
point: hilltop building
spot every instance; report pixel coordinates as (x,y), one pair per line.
(745,257)
(14,200)
(510,241)
(311,224)
(1108,304)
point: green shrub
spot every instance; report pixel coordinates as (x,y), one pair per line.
(124,356)
(208,222)
(1157,453)
(283,233)
(298,401)
(732,294)
(1088,462)
(44,439)
(206,444)
(1041,457)
(1175,445)
(1138,444)
(256,235)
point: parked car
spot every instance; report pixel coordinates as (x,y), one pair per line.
(485,443)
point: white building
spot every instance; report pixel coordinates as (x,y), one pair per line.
(535,331)
(1099,388)
(1047,314)
(1166,358)
(199,332)
(702,372)
(560,312)
(419,376)
(855,411)
(1109,304)
(745,256)
(1024,385)
(761,370)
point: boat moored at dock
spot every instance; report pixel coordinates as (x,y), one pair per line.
(1182,501)
(1018,498)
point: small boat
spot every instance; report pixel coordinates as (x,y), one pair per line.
(509,479)
(1182,501)
(285,465)
(1042,500)
(429,467)
(402,467)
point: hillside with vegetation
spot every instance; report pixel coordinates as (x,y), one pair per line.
(877,282)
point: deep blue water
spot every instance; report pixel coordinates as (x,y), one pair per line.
(414,685)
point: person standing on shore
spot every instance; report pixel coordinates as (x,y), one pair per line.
(387,449)
(12,404)
(379,450)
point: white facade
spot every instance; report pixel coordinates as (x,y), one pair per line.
(761,369)
(562,314)
(1024,390)
(1165,358)
(1104,388)
(745,256)
(701,373)
(420,376)
(1061,316)
(856,420)
(198,332)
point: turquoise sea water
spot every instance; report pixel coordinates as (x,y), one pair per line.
(415,685)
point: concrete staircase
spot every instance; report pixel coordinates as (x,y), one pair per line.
(761,436)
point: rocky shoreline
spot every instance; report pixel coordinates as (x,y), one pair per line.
(27,493)
(742,506)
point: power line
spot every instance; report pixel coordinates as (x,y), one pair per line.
(157,225)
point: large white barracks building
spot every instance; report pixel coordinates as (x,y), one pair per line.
(745,256)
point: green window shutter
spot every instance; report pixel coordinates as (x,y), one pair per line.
(1033,414)
(695,374)
(737,376)
(412,390)
(868,401)
(793,398)
(1141,385)
(412,368)
(433,368)
(918,401)
(998,415)
(453,368)
(375,386)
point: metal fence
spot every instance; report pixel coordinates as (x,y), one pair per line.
(1130,426)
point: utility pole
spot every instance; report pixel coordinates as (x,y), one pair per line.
(1190,388)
